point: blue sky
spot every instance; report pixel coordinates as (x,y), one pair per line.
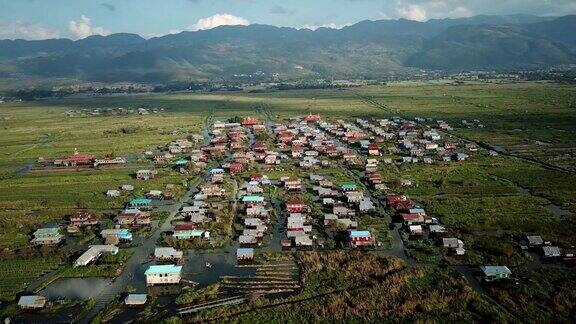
(40,19)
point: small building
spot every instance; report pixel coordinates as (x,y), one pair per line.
(93,253)
(163,274)
(115,235)
(235,167)
(244,254)
(411,219)
(551,251)
(133,217)
(81,218)
(47,236)
(253,200)
(293,184)
(127,187)
(295,206)
(303,241)
(492,273)
(534,240)
(360,238)
(373,149)
(167,254)
(32,302)
(139,203)
(437,229)
(109,161)
(187,234)
(75,159)
(452,242)
(349,187)
(249,121)
(146,174)
(135,300)
(154,194)
(312,118)
(248,239)
(415,230)
(113,193)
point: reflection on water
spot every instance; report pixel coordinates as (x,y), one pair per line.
(167,290)
(220,264)
(75,288)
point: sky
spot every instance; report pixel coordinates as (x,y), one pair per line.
(77,19)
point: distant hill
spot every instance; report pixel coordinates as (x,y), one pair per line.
(367,49)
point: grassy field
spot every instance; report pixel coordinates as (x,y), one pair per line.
(355,286)
(479,199)
(16,274)
(541,296)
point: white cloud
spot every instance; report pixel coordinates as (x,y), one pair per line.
(218,20)
(23,30)
(422,10)
(412,12)
(329,25)
(83,28)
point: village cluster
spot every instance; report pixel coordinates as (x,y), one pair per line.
(273,184)
(83,112)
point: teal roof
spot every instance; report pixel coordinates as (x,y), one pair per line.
(252,199)
(141,201)
(162,269)
(349,186)
(181,162)
(189,233)
(491,271)
(124,234)
(359,233)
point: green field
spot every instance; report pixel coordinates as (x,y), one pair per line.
(480,200)
(16,274)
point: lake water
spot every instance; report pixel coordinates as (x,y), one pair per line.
(75,288)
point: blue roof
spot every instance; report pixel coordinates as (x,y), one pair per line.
(359,233)
(162,269)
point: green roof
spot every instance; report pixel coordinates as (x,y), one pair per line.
(162,269)
(349,186)
(252,199)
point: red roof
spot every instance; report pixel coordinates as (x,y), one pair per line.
(407,217)
(81,215)
(235,167)
(256,177)
(249,121)
(87,158)
(184,227)
(312,118)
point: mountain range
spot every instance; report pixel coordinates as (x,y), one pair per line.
(368,49)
